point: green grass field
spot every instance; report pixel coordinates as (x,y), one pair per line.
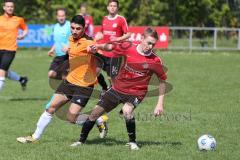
(205,99)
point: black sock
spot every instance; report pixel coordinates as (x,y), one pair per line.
(131,129)
(102,82)
(87,126)
(21,78)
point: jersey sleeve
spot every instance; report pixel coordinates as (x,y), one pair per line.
(101,27)
(91,20)
(22,24)
(122,48)
(124,25)
(158,69)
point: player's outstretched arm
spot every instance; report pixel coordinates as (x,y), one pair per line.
(159,108)
(122,38)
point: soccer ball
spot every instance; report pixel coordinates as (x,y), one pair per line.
(206,142)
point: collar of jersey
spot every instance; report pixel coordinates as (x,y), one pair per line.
(113,17)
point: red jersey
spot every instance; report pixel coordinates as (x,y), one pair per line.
(135,74)
(89,25)
(113,27)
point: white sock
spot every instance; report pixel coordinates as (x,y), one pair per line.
(13,76)
(100,121)
(2,79)
(42,123)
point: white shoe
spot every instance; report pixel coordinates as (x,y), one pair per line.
(27,139)
(132,146)
(75,144)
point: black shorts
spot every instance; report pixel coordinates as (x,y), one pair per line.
(113,98)
(76,94)
(6,58)
(60,65)
(110,65)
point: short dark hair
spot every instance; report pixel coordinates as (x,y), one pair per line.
(5,1)
(110,1)
(150,32)
(61,9)
(78,19)
(83,5)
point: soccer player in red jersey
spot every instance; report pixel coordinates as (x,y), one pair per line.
(131,84)
(114,29)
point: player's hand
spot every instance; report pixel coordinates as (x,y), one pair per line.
(158,110)
(98,36)
(19,37)
(92,49)
(51,53)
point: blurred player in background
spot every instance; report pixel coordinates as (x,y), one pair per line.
(61,34)
(89,25)
(9,25)
(131,85)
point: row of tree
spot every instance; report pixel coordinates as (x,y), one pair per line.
(218,13)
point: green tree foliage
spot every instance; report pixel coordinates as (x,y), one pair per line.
(140,12)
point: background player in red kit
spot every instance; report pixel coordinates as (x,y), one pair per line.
(114,29)
(131,84)
(89,26)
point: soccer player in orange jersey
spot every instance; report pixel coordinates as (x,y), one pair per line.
(79,83)
(9,25)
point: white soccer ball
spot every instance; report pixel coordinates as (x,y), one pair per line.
(206,142)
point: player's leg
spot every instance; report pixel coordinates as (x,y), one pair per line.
(6,58)
(79,100)
(127,110)
(88,125)
(45,119)
(56,67)
(52,73)
(59,99)
(16,77)
(101,80)
(131,102)
(102,121)
(108,102)
(73,113)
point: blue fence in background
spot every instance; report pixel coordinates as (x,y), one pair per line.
(38,36)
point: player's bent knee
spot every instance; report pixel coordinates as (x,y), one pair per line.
(71,117)
(94,117)
(51,110)
(52,74)
(127,114)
